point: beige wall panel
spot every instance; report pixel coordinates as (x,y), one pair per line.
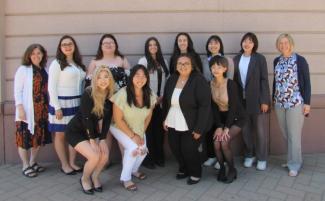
(134,43)
(316,63)
(191,22)
(49,6)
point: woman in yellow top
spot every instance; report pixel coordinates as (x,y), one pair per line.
(132,110)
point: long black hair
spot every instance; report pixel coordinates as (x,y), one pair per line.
(62,59)
(146,91)
(100,54)
(152,65)
(190,50)
(217,39)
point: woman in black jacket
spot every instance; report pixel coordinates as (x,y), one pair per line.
(186,105)
(229,116)
(82,131)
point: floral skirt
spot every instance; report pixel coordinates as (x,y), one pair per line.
(26,140)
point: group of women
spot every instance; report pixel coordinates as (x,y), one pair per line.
(200,105)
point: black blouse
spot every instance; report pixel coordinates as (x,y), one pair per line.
(85,122)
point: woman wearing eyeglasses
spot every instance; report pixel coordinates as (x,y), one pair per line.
(66,77)
(186,109)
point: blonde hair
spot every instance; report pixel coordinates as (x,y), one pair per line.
(287,36)
(99,97)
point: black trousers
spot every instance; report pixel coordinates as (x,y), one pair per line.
(209,143)
(185,149)
(155,138)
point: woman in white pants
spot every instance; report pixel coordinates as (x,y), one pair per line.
(132,110)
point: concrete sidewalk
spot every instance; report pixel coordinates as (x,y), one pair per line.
(270,185)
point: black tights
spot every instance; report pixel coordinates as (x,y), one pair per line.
(223,150)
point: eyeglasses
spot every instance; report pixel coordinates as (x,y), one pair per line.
(64,45)
(108,43)
(183,64)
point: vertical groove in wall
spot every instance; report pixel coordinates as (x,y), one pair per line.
(2,80)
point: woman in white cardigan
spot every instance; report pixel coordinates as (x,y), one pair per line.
(66,77)
(30,90)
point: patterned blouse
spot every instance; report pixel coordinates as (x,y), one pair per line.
(287,94)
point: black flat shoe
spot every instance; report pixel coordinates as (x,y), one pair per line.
(78,170)
(232,175)
(191,181)
(88,192)
(98,189)
(68,173)
(181,175)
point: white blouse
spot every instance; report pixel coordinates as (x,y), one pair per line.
(67,82)
(175,118)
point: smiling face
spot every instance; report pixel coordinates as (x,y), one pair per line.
(139,79)
(248,45)
(36,57)
(102,81)
(184,66)
(67,47)
(218,70)
(153,48)
(108,46)
(182,42)
(285,47)
(214,47)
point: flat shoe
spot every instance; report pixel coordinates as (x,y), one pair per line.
(29,172)
(78,170)
(131,187)
(37,168)
(98,189)
(68,173)
(139,175)
(192,181)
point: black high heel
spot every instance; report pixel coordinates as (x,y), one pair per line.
(232,175)
(222,174)
(88,192)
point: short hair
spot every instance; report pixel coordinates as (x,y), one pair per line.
(26,58)
(287,36)
(221,61)
(215,38)
(253,38)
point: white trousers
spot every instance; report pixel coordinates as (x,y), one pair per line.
(130,162)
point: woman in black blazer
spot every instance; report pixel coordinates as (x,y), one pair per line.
(82,131)
(186,108)
(229,116)
(251,77)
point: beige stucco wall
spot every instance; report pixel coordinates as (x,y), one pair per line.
(2,80)
(132,21)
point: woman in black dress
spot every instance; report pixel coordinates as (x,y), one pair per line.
(229,116)
(82,131)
